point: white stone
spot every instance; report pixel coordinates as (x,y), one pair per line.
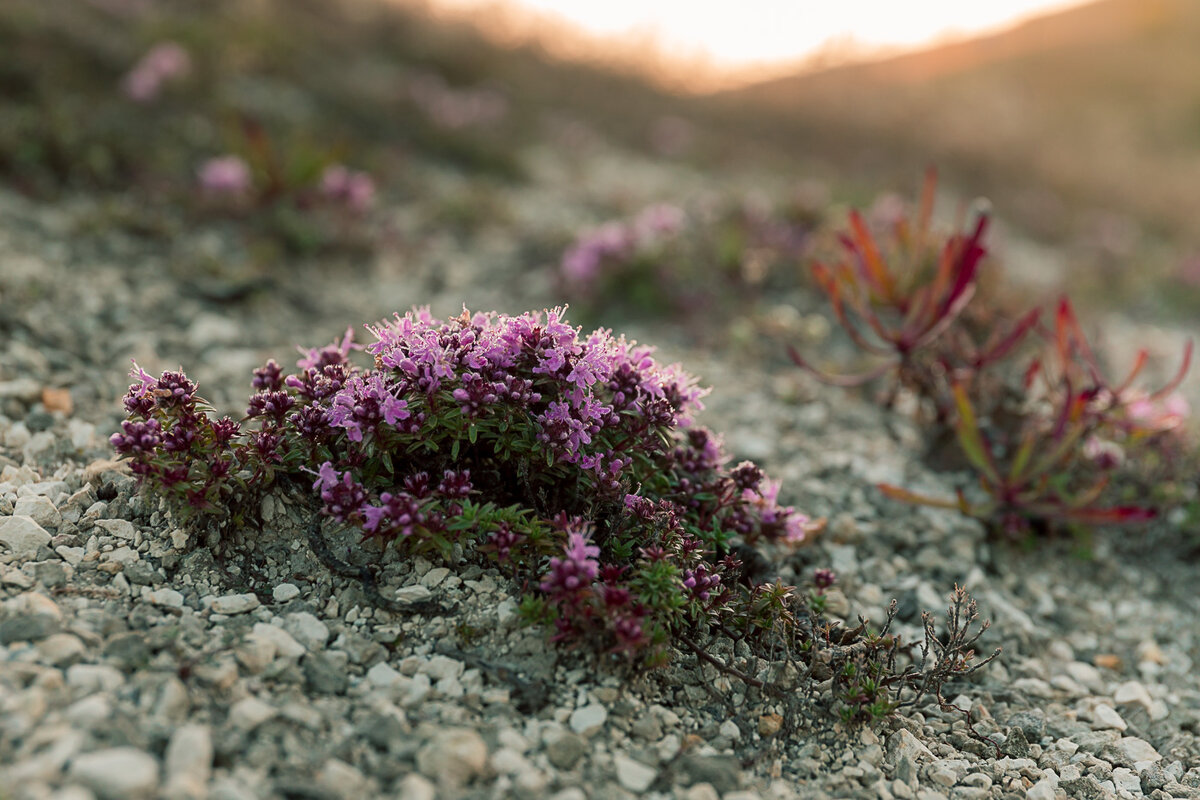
(188,762)
(83,434)
(167,598)
(730,730)
(442,667)
(1126,780)
(453,757)
(22,536)
(418,689)
(90,711)
(255,653)
(1134,750)
(384,676)
(434,577)
(1087,675)
(633,775)
(306,629)
(235,603)
(285,645)
(1105,717)
(121,528)
(71,555)
(60,649)
(507,761)
(94,677)
(284,592)
(413,594)
(250,712)
(39,509)
(38,444)
(1133,693)
(122,555)
(118,773)
(589,719)
(415,787)
(1042,790)
(341,780)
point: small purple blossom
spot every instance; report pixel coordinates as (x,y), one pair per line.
(502,541)
(224,176)
(823,578)
(701,582)
(138,438)
(363,403)
(272,404)
(343,496)
(576,570)
(268,378)
(398,514)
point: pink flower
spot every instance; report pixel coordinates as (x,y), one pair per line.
(355,190)
(577,570)
(224,175)
(164,62)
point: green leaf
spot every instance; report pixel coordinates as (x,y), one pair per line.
(970,437)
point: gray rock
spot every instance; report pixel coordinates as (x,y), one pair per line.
(29,617)
(50,573)
(285,592)
(724,773)
(140,573)
(1154,777)
(127,650)
(23,536)
(118,773)
(1015,744)
(565,749)
(901,744)
(1085,788)
(323,675)
(1031,723)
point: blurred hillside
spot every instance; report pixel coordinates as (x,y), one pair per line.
(1075,123)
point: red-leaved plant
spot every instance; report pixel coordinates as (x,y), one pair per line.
(1044,440)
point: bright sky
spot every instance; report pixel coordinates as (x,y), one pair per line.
(752,33)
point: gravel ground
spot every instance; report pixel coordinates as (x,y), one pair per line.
(138,662)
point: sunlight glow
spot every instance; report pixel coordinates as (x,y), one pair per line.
(748,35)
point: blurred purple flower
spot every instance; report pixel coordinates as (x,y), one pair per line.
(164,62)
(355,190)
(227,175)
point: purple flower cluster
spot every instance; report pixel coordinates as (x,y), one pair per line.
(572,458)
